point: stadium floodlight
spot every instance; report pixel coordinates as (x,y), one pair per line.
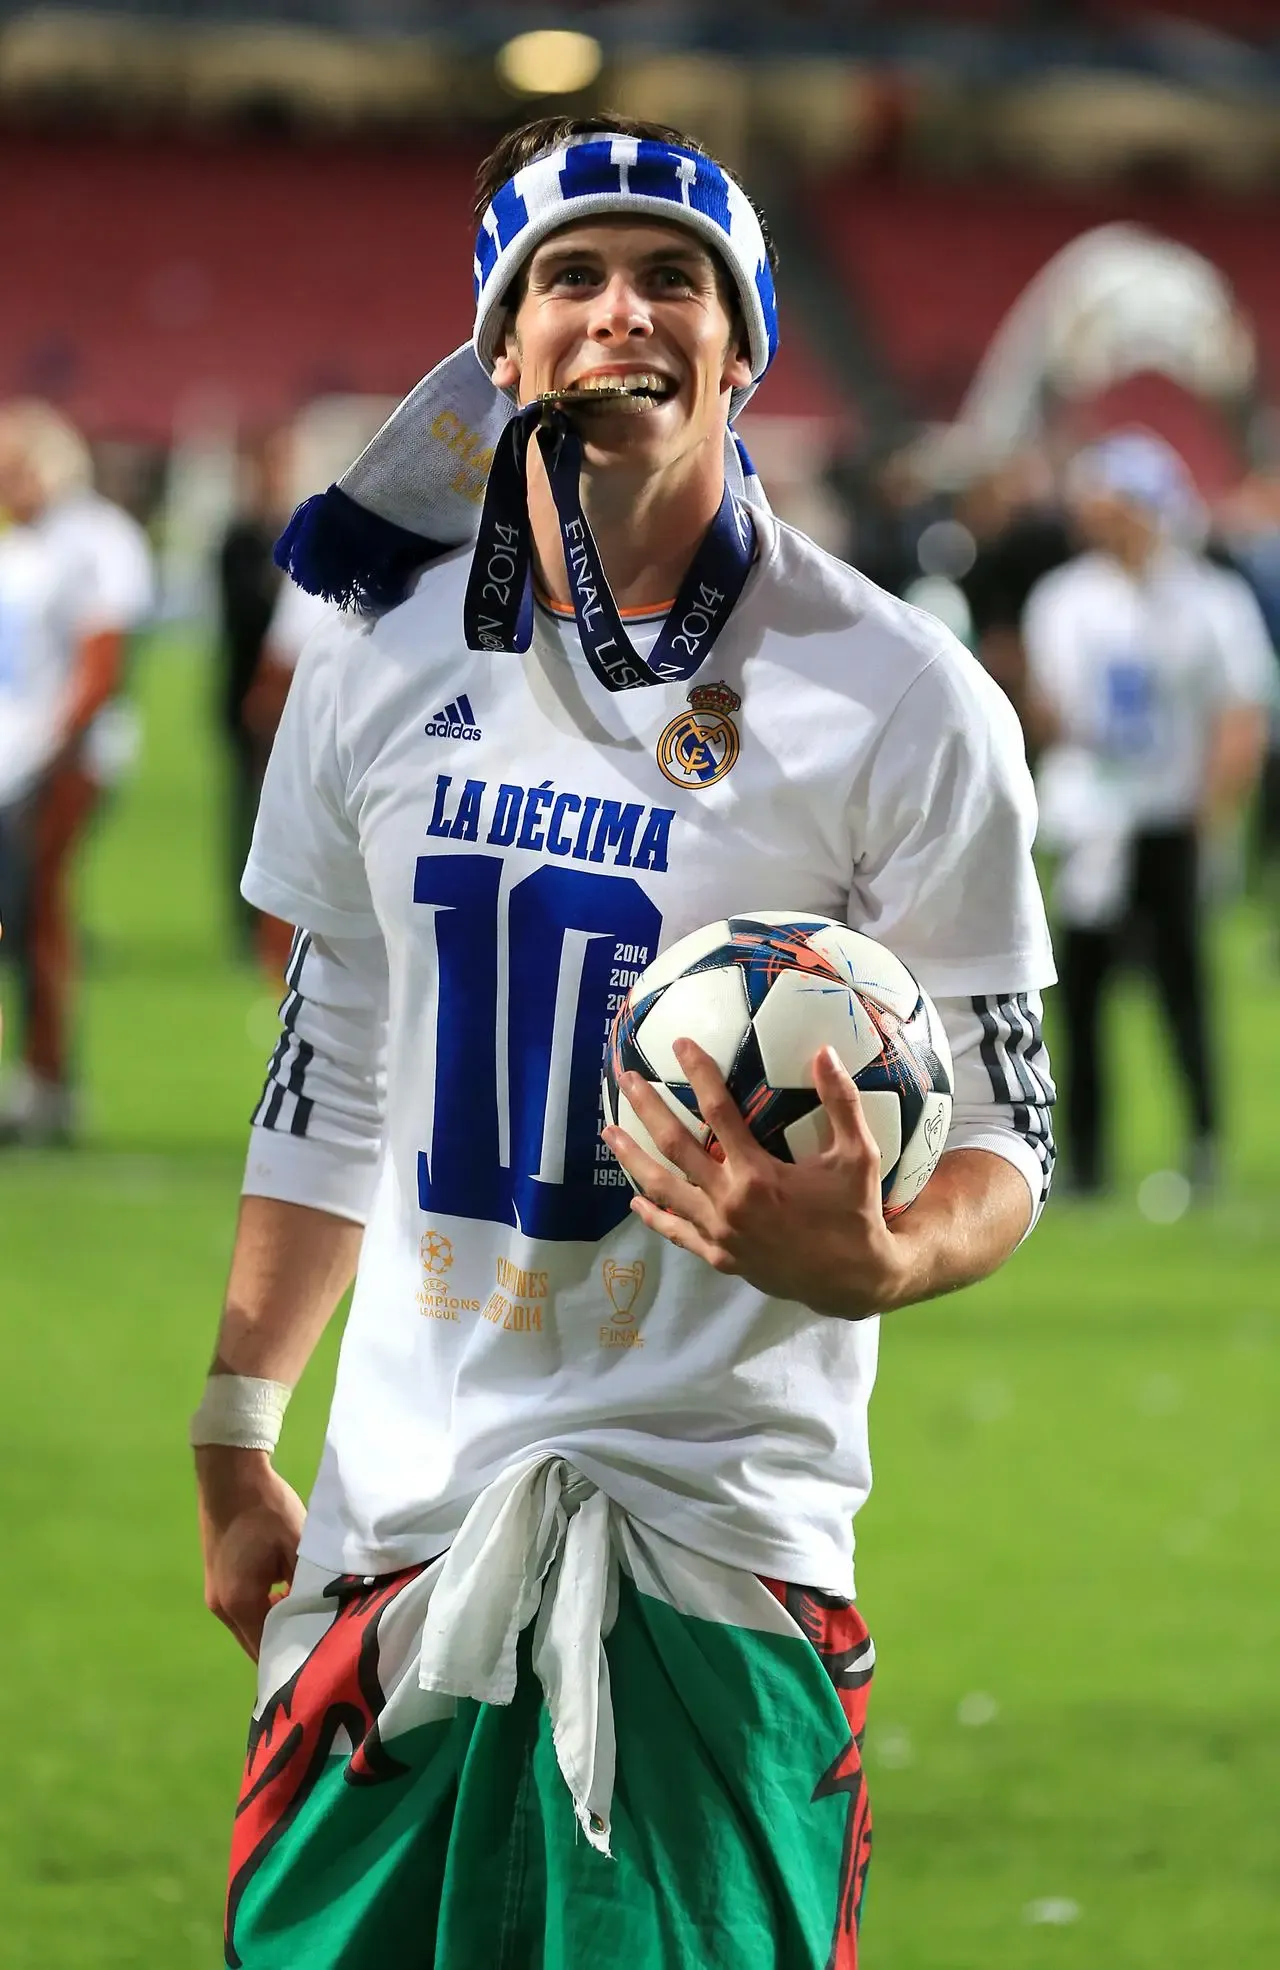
(550,61)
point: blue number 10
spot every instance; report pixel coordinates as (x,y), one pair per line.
(529,1153)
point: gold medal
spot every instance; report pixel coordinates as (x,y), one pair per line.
(611,393)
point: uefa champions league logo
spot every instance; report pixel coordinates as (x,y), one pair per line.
(435,1251)
(622,1283)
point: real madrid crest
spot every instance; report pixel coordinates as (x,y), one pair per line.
(700,745)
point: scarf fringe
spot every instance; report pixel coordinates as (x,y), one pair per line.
(337,549)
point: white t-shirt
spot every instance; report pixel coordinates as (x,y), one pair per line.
(1136,671)
(521,842)
(84,567)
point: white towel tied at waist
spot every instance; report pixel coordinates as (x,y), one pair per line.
(537,1546)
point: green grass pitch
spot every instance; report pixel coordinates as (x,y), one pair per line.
(1068,1561)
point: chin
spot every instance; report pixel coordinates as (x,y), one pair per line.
(649,440)
(626,449)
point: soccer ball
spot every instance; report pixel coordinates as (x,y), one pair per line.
(761,993)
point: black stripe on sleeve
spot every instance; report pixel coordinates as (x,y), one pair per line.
(287,1068)
(297,959)
(991,1048)
(1036,1052)
(1017,1076)
(304,1054)
(273,1068)
(1019,1040)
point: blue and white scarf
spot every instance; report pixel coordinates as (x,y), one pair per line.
(417,489)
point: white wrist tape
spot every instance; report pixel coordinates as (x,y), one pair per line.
(241,1411)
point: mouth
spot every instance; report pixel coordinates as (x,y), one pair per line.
(635,389)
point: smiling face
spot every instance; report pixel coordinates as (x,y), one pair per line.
(607,301)
(1123,528)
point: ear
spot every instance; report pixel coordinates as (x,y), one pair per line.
(507,364)
(737,369)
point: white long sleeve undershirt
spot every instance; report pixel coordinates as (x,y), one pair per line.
(316,1137)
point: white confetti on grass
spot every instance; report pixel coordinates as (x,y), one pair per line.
(989,1400)
(1164,1197)
(977,1709)
(1055,1911)
(891,1747)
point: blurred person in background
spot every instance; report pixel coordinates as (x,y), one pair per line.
(1020,534)
(75,585)
(247,584)
(293,617)
(1149,670)
(1248,527)
(888,506)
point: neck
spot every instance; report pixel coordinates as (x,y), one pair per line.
(648,526)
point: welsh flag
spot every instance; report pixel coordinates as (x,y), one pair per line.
(566,1743)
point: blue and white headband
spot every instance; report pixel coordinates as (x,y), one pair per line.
(417,489)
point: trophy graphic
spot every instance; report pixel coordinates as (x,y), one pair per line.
(622,1283)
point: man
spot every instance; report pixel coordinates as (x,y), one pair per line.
(294,616)
(569,1671)
(1150,674)
(1249,541)
(248,583)
(1019,538)
(75,584)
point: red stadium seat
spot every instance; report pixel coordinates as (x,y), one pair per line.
(154,281)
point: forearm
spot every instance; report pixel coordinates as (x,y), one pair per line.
(1234,761)
(264,700)
(970,1216)
(289,1269)
(97,677)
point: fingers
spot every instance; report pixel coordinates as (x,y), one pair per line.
(239,1582)
(240,1602)
(717,1106)
(680,1231)
(242,1613)
(651,1177)
(669,1134)
(731,1135)
(838,1093)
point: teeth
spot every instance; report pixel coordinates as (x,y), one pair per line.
(636,379)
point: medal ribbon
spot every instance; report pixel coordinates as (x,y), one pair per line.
(498,609)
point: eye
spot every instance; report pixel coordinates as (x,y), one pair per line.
(575,274)
(672,276)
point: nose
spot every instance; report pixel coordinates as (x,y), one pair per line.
(619,313)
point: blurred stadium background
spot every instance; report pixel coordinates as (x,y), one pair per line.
(221,221)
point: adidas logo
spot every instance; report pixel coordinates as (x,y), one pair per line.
(456,721)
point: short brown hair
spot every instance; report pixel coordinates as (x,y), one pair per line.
(548,133)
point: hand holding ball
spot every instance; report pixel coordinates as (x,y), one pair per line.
(761,994)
